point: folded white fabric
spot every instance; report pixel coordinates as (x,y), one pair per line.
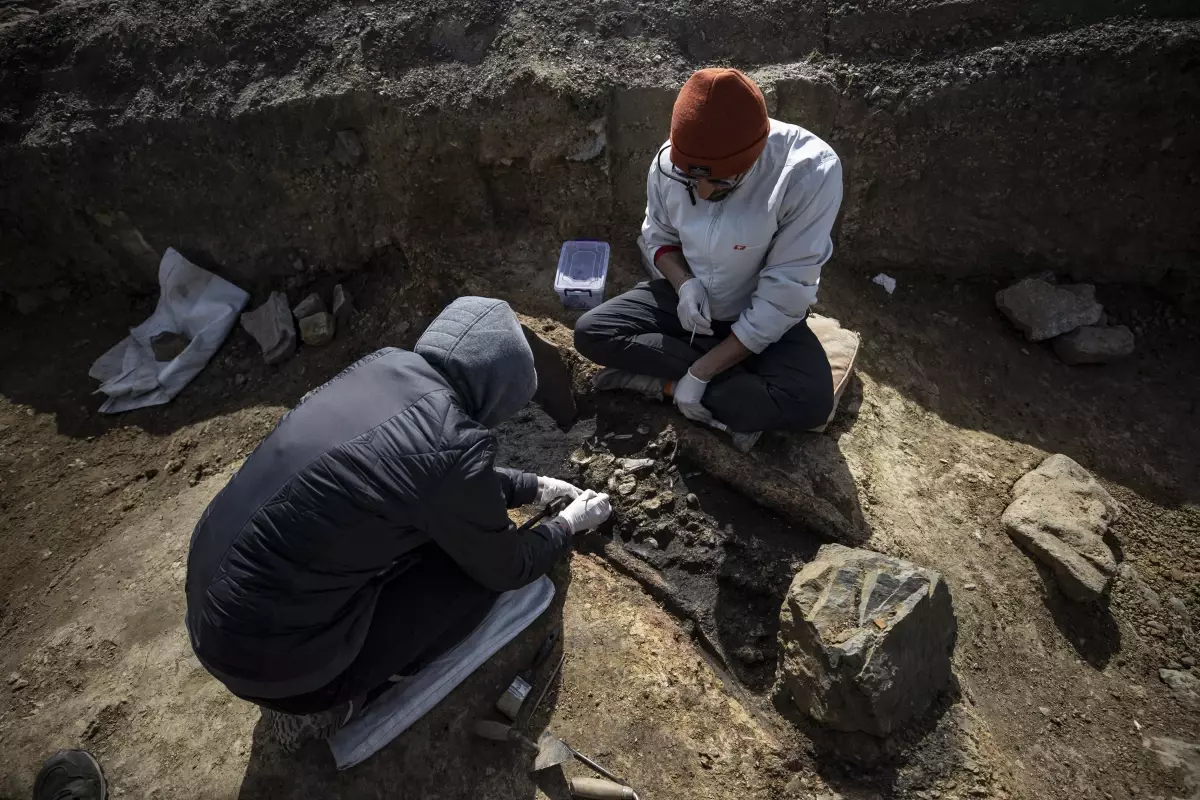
(192,302)
(405,703)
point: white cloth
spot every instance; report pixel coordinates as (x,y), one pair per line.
(191,301)
(399,707)
(759,251)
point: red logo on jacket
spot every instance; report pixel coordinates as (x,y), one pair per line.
(739,247)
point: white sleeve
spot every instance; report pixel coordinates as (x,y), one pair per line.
(788,284)
(657,229)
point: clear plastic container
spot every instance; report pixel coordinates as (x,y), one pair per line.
(582,271)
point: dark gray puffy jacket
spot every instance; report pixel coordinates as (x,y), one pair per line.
(286,563)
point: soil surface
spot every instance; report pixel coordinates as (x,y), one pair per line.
(669,613)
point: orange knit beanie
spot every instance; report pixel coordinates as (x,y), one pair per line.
(719,126)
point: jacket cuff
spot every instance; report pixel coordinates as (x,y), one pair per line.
(746,334)
(666,248)
(525,489)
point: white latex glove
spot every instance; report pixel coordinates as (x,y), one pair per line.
(688,394)
(552,488)
(586,511)
(693,311)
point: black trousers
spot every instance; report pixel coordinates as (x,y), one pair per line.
(788,386)
(421,613)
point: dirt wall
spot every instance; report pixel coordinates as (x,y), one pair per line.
(261,140)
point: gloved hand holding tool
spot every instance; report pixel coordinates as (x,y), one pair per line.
(587,511)
(688,393)
(693,309)
(552,489)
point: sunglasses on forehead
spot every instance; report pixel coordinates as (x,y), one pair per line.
(689,181)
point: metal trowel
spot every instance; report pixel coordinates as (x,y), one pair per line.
(551,750)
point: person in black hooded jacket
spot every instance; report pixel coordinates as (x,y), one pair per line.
(368,533)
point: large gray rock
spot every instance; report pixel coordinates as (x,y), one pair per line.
(1060,514)
(272,327)
(1093,344)
(1183,685)
(865,640)
(1043,311)
(1175,754)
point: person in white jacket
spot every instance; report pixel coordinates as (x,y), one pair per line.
(739,209)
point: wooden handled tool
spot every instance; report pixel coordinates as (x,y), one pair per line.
(600,789)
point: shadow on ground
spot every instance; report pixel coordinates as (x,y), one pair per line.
(944,345)
(439,756)
(44,358)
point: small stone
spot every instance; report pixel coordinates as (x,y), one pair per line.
(1093,344)
(691,500)
(652,506)
(297,264)
(636,466)
(348,149)
(318,329)
(239,379)
(13,678)
(313,304)
(46,555)
(1188,661)
(626,485)
(1042,311)
(643,430)
(343,305)
(168,345)
(272,327)
(19,684)
(750,655)
(1183,685)
(1178,606)
(652,542)
(1060,514)
(839,666)
(1044,711)
(173,465)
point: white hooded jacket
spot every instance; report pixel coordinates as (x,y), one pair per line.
(759,250)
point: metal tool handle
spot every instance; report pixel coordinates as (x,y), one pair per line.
(600,789)
(595,767)
(544,651)
(552,508)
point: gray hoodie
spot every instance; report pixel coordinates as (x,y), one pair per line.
(477,343)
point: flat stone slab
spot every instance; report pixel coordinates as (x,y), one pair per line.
(272,327)
(865,640)
(1095,345)
(1060,513)
(1042,311)
(313,304)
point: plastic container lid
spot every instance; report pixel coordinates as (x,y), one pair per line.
(582,272)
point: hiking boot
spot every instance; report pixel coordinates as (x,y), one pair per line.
(610,379)
(70,775)
(744,441)
(291,731)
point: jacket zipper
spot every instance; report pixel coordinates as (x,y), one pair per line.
(708,248)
